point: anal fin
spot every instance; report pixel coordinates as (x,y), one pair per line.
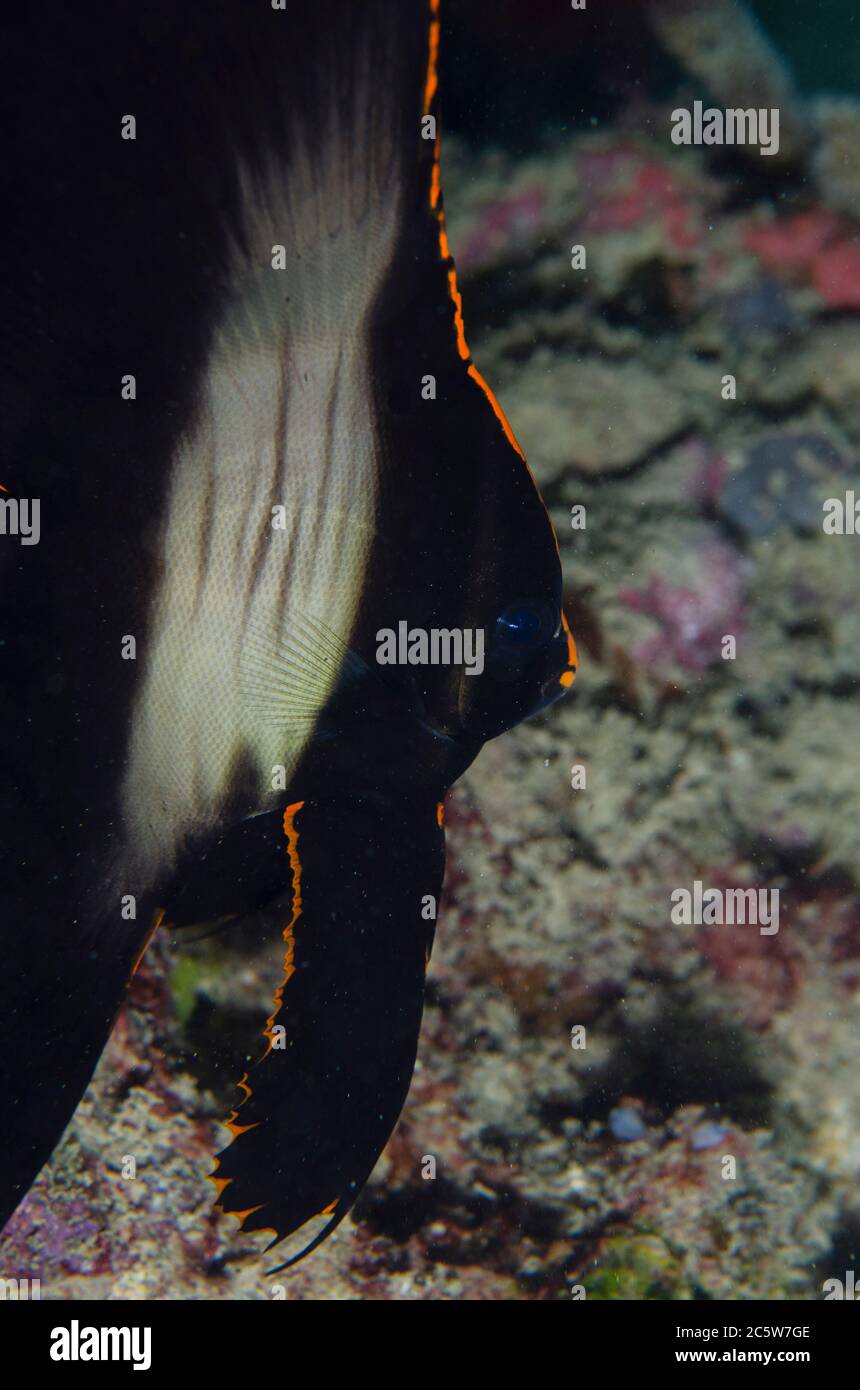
(319,1106)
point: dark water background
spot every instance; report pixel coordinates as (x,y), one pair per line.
(517,71)
(820,38)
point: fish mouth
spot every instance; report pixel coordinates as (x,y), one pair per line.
(556,686)
(552,691)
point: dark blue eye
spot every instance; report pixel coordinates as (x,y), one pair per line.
(519,626)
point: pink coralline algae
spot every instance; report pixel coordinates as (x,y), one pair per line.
(47,1235)
(836,275)
(693,617)
(626,192)
(764,973)
(511,221)
(815,247)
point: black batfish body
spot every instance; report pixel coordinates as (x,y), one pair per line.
(306,465)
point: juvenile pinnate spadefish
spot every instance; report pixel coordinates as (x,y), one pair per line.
(304,491)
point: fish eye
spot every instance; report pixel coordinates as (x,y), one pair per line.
(520,625)
(520,632)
